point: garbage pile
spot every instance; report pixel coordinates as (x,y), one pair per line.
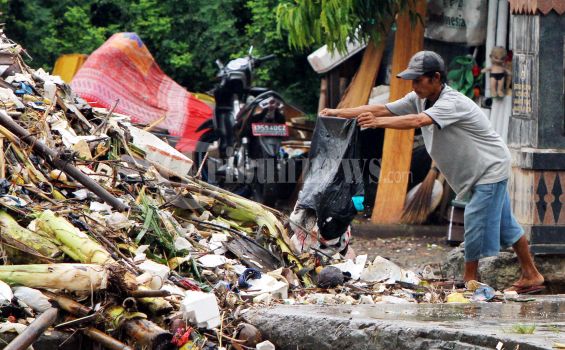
(104,234)
(99,211)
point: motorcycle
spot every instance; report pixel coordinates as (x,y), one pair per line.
(249,127)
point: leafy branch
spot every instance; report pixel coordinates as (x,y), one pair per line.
(336,22)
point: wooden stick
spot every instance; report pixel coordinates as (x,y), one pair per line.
(51,157)
(102,125)
(77,322)
(226,337)
(155,123)
(140,293)
(34,330)
(199,172)
(2,159)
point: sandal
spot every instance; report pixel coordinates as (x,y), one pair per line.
(526,289)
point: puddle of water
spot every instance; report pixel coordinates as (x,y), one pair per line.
(526,312)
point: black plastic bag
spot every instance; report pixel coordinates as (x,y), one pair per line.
(334,175)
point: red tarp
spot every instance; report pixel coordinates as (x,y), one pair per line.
(124,69)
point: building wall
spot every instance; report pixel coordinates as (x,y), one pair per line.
(536,136)
(551,76)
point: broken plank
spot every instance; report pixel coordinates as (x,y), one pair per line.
(398,144)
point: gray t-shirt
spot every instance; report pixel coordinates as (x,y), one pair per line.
(461,140)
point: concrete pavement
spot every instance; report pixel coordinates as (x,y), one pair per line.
(413,326)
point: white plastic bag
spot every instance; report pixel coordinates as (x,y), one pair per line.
(33,298)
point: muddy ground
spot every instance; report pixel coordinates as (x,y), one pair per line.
(408,252)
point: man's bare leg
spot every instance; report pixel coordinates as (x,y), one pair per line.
(471,271)
(530,274)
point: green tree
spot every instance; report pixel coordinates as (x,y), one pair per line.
(185,37)
(335,22)
(290,73)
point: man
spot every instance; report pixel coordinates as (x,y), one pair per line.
(469,153)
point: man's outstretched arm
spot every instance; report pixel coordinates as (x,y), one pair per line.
(403,122)
(376,110)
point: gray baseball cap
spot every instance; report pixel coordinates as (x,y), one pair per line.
(422,62)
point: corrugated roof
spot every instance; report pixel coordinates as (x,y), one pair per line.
(530,7)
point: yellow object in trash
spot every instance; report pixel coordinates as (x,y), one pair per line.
(473,285)
(66,66)
(457,298)
(32,98)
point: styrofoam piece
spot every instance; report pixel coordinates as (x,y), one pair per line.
(46,77)
(366,299)
(239,269)
(81,194)
(12,327)
(354,268)
(201,309)
(140,253)
(156,269)
(266,284)
(98,206)
(20,78)
(382,269)
(216,243)
(49,90)
(8,95)
(219,237)
(389,299)
(144,278)
(68,135)
(266,345)
(182,243)
(173,289)
(212,260)
(118,220)
(6,294)
(409,276)
(160,152)
(322,60)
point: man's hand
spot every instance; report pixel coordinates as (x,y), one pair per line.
(367,120)
(329,112)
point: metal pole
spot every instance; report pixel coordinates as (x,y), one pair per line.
(491,36)
(107,341)
(34,330)
(502,23)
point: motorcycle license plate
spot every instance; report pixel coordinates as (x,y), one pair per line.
(267,129)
